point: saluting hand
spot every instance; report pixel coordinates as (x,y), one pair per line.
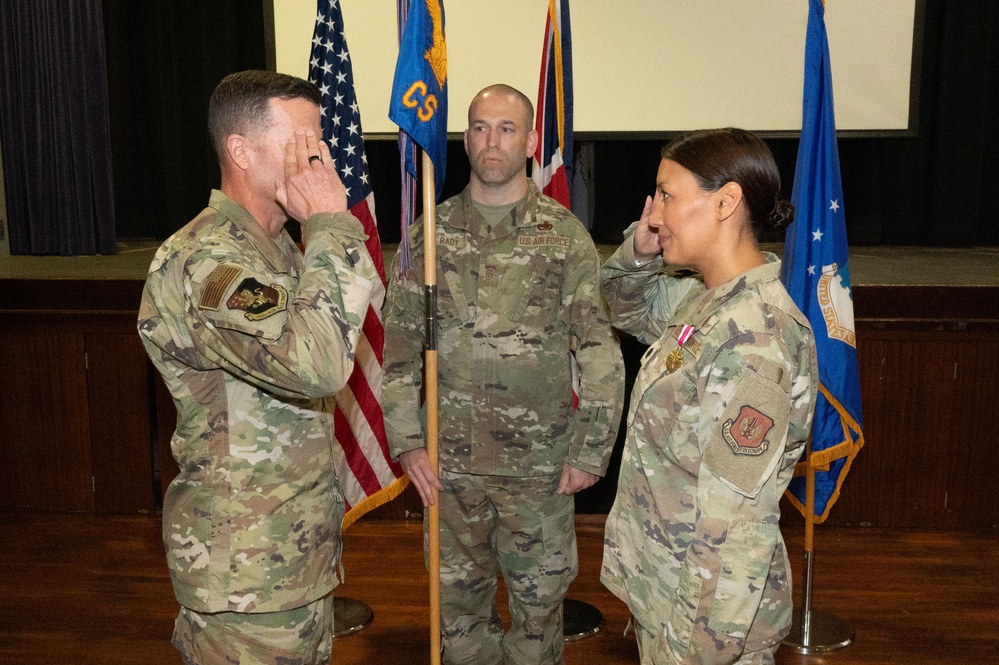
(646,236)
(311,184)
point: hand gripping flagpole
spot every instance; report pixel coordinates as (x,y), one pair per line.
(430,386)
(813,631)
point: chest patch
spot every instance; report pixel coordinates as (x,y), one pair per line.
(258,301)
(746,434)
(452,241)
(544,241)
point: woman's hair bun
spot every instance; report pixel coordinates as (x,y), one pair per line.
(781,215)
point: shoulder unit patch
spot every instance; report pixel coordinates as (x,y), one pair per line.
(258,301)
(748,438)
(746,434)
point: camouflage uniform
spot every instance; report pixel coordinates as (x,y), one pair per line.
(512,297)
(692,543)
(249,336)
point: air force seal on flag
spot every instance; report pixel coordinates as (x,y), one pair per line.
(837,306)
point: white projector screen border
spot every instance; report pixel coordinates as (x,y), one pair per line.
(646,67)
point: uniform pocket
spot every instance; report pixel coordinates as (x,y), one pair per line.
(559,566)
(451,301)
(680,625)
(537,303)
(746,557)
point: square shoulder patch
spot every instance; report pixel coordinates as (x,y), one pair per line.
(747,442)
(257,300)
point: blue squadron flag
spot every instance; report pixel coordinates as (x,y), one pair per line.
(419,90)
(368,475)
(816,273)
(552,166)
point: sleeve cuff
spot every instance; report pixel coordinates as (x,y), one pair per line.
(626,253)
(341,224)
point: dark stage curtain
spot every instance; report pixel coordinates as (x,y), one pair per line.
(164,60)
(54,128)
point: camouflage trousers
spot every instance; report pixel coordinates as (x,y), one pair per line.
(301,636)
(518,527)
(650,654)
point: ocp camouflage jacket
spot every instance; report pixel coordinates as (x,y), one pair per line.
(719,415)
(513,300)
(250,335)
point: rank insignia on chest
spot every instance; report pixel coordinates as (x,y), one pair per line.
(747,433)
(257,300)
(674,360)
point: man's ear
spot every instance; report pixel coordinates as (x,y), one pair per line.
(728,200)
(236,149)
(532,143)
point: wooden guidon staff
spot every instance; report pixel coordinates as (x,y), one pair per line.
(430,385)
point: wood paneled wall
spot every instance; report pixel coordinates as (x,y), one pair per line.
(75,400)
(929,381)
(85,422)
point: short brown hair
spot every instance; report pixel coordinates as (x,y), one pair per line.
(239,104)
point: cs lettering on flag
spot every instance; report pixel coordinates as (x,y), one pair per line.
(416,96)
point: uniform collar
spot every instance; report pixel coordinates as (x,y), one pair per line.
(280,253)
(524,214)
(703,307)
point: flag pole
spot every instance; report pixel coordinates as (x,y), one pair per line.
(806,616)
(814,632)
(430,385)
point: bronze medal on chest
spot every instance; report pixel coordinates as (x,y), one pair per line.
(674,360)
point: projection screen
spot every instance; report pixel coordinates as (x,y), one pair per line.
(643,66)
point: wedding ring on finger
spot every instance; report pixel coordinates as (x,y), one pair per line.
(315,158)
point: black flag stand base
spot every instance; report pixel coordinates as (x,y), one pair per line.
(579,619)
(816,632)
(349,616)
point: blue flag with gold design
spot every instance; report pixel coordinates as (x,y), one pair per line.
(419,90)
(816,272)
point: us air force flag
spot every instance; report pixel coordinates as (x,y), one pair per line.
(816,273)
(419,90)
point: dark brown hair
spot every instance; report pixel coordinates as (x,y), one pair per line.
(719,156)
(239,104)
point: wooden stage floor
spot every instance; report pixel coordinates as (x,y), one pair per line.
(86,589)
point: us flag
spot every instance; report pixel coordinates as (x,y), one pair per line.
(366,471)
